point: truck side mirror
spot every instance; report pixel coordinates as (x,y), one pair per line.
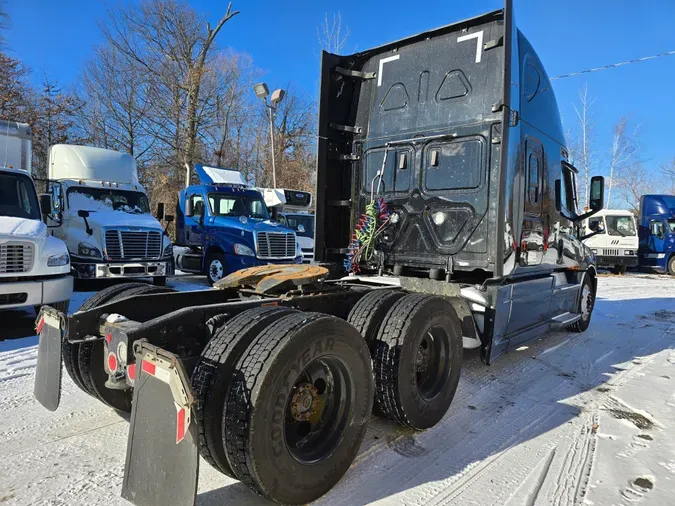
(189,208)
(46,203)
(83,214)
(597,200)
(301,229)
(160,211)
(168,218)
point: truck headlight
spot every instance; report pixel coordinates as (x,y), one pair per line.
(58,260)
(245,251)
(594,251)
(87,250)
(168,251)
(298,250)
(628,252)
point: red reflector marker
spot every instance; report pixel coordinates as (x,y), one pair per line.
(108,337)
(180,425)
(131,372)
(112,362)
(148,367)
(40,324)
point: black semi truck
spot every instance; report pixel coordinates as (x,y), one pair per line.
(446,218)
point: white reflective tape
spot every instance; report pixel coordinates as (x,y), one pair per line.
(479,42)
(382,62)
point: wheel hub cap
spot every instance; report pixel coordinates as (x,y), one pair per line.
(304,402)
(216,270)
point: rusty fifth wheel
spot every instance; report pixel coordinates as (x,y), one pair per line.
(417,358)
(298,405)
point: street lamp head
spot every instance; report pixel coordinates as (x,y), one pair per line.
(278,96)
(261,90)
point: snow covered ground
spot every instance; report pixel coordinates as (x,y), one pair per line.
(570,419)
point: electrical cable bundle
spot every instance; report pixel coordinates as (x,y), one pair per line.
(370,225)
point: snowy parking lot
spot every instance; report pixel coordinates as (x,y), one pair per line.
(569,419)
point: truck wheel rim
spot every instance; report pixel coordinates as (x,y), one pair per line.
(318,409)
(216,270)
(433,362)
(586,302)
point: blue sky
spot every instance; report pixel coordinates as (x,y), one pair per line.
(57,37)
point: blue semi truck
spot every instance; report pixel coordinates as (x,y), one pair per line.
(657,233)
(224,225)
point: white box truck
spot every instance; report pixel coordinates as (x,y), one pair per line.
(615,239)
(34,266)
(102,213)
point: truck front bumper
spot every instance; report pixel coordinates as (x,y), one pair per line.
(107,270)
(35,292)
(611,261)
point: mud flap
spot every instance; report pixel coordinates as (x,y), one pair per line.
(162,454)
(47,388)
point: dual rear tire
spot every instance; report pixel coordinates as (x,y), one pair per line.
(84,361)
(416,347)
(284,397)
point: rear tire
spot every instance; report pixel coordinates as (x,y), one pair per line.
(369,312)
(213,373)
(70,352)
(90,359)
(671,266)
(215,267)
(417,360)
(290,434)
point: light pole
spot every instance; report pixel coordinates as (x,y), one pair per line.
(262,91)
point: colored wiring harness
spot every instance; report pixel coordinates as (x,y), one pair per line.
(371,224)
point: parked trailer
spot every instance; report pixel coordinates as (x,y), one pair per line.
(444,189)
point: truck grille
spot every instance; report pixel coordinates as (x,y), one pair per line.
(15,258)
(276,245)
(127,245)
(610,252)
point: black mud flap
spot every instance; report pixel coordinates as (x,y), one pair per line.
(50,328)
(162,454)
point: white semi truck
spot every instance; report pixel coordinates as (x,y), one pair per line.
(615,239)
(291,209)
(34,266)
(102,213)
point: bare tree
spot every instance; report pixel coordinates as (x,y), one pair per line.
(167,41)
(117,104)
(634,180)
(14,91)
(668,170)
(332,37)
(52,120)
(4,23)
(624,151)
(583,146)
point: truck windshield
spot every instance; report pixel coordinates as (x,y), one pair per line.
(620,225)
(226,204)
(294,220)
(17,197)
(107,199)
